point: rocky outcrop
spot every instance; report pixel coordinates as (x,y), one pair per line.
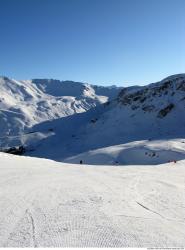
(163,112)
(15,150)
(151,98)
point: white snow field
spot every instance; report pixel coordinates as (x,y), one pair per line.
(137,153)
(50,204)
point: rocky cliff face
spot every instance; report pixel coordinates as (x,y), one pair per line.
(161,97)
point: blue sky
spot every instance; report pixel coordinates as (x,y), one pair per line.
(121,42)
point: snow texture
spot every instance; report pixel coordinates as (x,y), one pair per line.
(48,204)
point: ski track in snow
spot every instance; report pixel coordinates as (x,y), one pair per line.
(48,204)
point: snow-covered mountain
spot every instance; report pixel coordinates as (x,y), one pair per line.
(26,103)
(54,204)
(153,112)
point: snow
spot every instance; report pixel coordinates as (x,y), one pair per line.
(132,192)
(24,104)
(116,124)
(137,153)
(50,204)
(82,122)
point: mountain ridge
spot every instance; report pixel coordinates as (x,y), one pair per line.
(150,112)
(25,103)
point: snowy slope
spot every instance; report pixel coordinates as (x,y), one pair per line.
(26,103)
(48,204)
(153,112)
(137,153)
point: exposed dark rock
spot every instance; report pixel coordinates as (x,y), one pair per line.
(94,120)
(134,107)
(143,99)
(15,150)
(181,86)
(163,112)
(148,108)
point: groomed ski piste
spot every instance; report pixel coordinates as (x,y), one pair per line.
(44,203)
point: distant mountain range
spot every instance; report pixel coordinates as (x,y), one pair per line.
(26,103)
(59,120)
